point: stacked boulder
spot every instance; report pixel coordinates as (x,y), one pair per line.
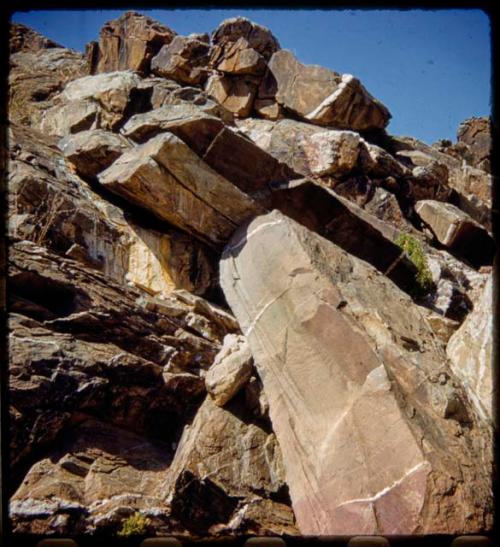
(238,305)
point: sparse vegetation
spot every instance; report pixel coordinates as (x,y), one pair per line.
(135,525)
(413,248)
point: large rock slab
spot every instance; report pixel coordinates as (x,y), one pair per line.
(227,475)
(129,43)
(168,179)
(470,351)
(347,363)
(456,230)
(236,93)
(51,206)
(321,96)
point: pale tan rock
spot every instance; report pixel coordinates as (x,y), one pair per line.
(231,369)
(71,117)
(332,152)
(227,472)
(470,351)
(348,432)
(167,178)
(456,230)
(236,93)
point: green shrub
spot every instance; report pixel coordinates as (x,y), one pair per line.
(135,525)
(413,248)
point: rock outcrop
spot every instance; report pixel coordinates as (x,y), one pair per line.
(305,305)
(128,43)
(237,305)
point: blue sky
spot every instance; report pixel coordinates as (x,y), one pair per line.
(431,68)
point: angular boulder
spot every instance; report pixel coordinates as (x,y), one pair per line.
(168,179)
(93,151)
(456,230)
(348,366)
(129,43)
(23,38)
(230,371)
(332,152)
(241,31)
(470,351)
(236,93)
(321,96)
(184,60)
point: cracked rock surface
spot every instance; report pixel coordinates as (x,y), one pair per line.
(236,304)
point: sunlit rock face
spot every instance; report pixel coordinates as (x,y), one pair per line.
(237,305)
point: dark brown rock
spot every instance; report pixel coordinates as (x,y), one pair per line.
(321,96)
(476,134)
(23,38)
(184,60)
(129,43)
(82,343)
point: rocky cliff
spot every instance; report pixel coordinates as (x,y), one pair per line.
(237,304)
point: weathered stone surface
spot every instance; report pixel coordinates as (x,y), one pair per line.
(83,343)
(51,206)
(210,139)
(91,482)
(457,231)
(71,117)
(321,96)
(167,178)
(332,152)
(23,38)
(244,34)
(93,151)
(348,226)
(185,60)
(249,495)
(304,305)
(472,187)
(476,134)
(36,77)
(241,59)
(197,125)
(470,351)
(129,43)
(236,93)
(231,369)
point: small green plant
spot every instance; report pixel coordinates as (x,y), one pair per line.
(413,248)
(135,525)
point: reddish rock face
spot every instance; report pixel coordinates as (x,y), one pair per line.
(129,43)
(23,38)
(344,355)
